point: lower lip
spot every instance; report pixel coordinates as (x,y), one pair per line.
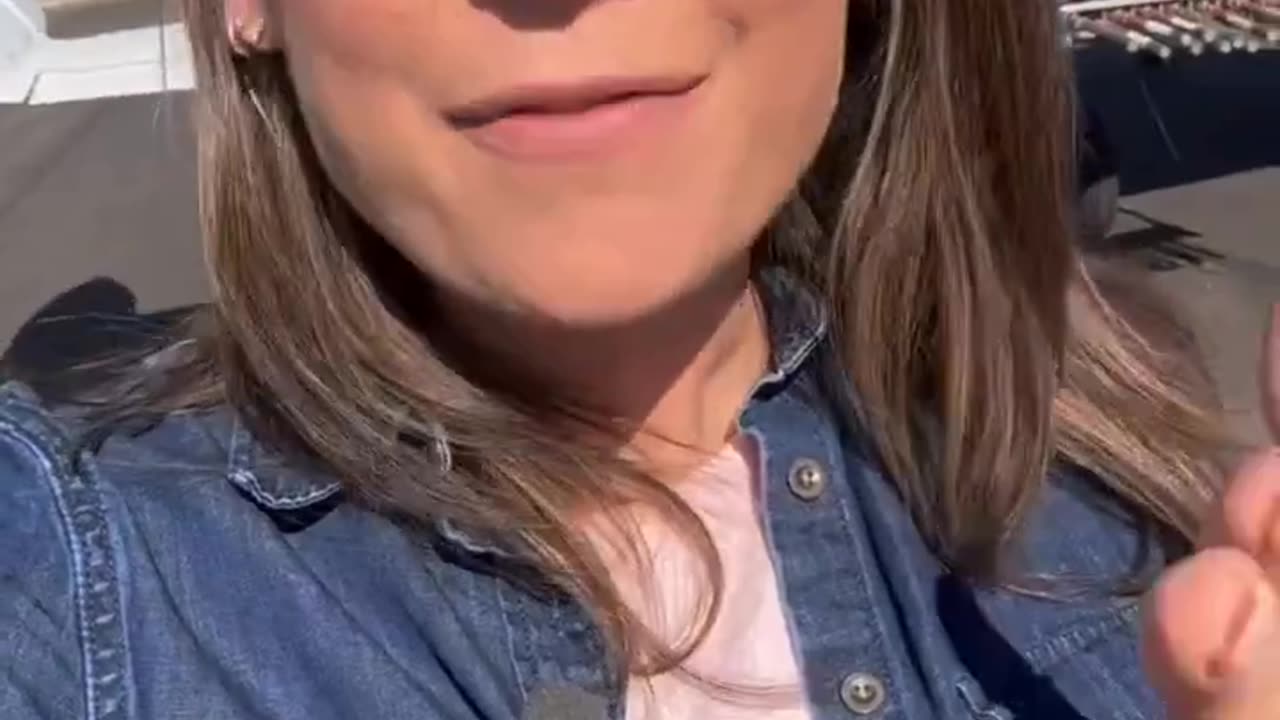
(601,130)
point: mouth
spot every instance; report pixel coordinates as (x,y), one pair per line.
(568,98)
(574,120)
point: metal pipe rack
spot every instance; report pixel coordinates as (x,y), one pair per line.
(1161,29)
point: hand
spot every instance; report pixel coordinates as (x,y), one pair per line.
(1213,621)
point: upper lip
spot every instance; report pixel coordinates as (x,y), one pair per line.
(566,97)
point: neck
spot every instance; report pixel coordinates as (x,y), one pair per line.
(677,377)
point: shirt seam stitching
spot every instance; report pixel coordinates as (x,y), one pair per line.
(505,611)
(894,663)
(1052,650)
(44,446)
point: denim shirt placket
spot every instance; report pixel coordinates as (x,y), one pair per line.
(839,615)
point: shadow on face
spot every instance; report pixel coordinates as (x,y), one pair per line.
(534,16)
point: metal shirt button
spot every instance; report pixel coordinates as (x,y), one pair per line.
(863,694)
(807,480)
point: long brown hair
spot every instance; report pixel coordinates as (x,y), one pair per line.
(936,221)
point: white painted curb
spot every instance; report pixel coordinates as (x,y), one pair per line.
(140,61)
(21,24)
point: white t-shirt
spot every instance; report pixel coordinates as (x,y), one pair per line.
(749,644)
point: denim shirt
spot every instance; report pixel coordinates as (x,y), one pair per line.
(189,572)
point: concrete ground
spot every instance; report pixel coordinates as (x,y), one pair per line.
(99,190)
(97,208)
(1212,249)
(83,18)
(1199,154)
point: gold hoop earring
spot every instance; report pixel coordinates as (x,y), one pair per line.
(247,35)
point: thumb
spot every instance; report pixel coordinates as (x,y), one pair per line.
(1212,637)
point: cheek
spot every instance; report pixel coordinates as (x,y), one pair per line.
(362,72)
(788,78)
(367,33)
(793,52)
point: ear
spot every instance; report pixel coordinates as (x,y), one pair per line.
(249,26)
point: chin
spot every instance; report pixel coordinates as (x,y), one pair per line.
(604,300)
(594,271)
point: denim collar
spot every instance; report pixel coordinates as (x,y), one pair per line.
(797,320)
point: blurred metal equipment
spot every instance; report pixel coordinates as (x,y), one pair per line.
(1163,29)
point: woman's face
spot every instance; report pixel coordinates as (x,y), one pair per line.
(587,161)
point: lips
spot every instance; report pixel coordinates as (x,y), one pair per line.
(601,119)
(567,98)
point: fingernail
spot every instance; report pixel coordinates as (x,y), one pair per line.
(1254,620)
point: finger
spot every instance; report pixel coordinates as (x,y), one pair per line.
(1249,516)
(1253,693)
(1271,374)
(1253,696)
(1204,622)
